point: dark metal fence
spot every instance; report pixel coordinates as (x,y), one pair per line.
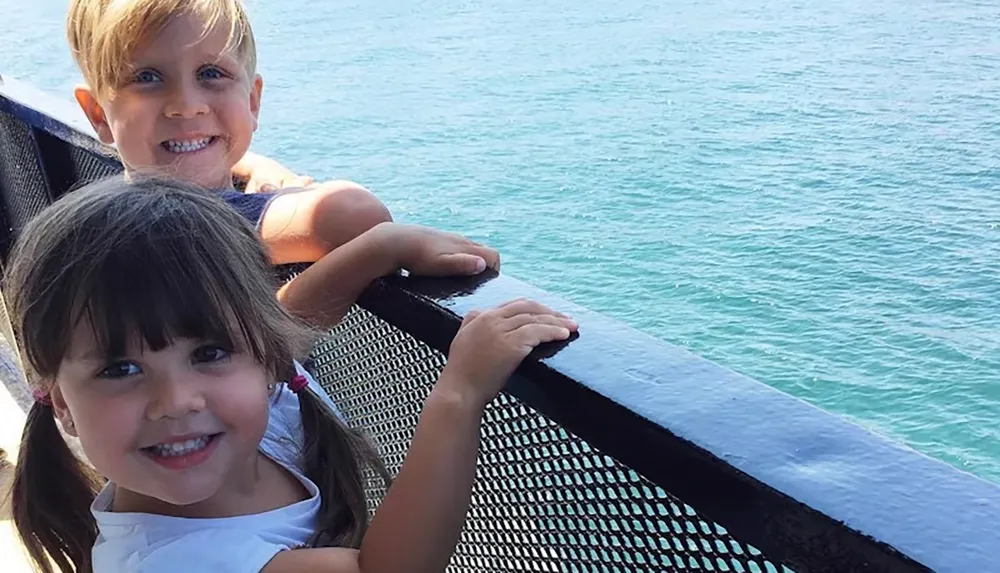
(613,453)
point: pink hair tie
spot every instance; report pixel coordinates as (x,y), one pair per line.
(41,397)
(298,383)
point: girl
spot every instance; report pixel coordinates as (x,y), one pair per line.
(151,332)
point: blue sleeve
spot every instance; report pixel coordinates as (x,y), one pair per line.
(250,205)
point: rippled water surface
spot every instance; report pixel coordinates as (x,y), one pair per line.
(806,192)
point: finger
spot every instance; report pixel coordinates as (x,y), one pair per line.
(531,335)
(526,306)
(490,255)
(457,264)
(513,323)
(469,317)
(299,181)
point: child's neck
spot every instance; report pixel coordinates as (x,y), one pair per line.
(260,485)
(223,184)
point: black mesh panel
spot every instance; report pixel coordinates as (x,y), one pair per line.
(70,167)
(23,188)
(25,156)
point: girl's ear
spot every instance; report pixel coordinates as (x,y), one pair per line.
(61,411)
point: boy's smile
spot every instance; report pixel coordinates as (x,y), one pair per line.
(188,107)
(189,145)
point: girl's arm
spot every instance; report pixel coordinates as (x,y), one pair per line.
(418,524)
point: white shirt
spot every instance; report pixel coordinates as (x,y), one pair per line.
(147,543)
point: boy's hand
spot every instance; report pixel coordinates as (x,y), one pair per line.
(429,252)
(273,177)
(272,185)
(490,345)
(265,175)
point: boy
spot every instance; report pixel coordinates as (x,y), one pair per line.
(173,84)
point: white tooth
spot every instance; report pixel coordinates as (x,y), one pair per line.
(180,448)
(188,145)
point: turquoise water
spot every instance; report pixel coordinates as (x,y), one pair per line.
(806,193)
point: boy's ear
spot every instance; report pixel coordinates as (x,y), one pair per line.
(255,91)
(61,411)
(94,112)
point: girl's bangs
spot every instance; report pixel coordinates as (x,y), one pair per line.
(163,286)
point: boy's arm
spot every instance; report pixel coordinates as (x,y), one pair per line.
(303,225)
(307,220)
(323,292)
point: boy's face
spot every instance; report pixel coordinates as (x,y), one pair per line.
(189,108)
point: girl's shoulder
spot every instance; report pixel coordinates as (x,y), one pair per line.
(284,440)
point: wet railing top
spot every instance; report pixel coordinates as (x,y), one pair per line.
(807,488)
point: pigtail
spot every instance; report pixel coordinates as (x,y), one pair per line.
(335,458)
(51,497)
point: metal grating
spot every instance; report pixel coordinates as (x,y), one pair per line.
(88,167)
(23,189)
(544,500)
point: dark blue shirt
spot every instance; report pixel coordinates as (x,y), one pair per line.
(250,205)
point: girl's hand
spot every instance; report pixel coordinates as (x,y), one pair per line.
(490,345)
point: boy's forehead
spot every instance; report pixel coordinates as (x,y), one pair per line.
(188,34)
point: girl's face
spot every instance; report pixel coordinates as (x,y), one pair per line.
(180,425)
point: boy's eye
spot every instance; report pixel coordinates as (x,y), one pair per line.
(145,77)
(119,370)
(209,354)
(211,73)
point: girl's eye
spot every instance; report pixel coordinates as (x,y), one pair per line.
(209,355)
(146,77)
(119,370)
(211,73)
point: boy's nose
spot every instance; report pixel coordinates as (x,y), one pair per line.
(185,102)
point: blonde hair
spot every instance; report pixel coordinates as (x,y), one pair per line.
(103,34)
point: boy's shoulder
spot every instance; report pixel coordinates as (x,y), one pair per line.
(250,205)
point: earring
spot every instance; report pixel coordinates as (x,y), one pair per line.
(69,423)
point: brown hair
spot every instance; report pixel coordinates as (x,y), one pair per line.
(158,260)
(103,34)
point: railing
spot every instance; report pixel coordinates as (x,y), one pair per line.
(612,453)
